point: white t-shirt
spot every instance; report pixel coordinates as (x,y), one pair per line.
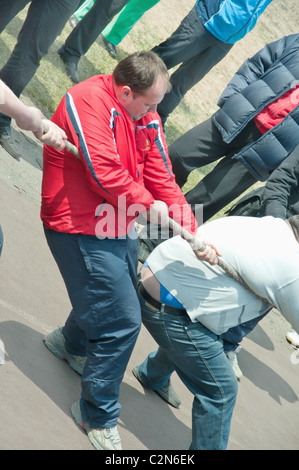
(263,251)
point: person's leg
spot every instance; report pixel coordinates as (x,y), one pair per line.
(198,147)
(232,339)
(197,50)
(227,180)
(187,41)
(197,356)
(118,28)
(234,336)
(83,9)
(44,22)
(101,284)
(189,73)
(156,370)
(89,28)
(8,10)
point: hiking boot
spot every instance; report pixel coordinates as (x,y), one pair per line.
(232,357)
(10,143)
(167,392)
(71,65)
(110,48)
(101,438)
(55,342)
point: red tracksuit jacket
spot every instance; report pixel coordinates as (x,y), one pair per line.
(123,166)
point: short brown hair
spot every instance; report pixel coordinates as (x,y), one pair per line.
(139,71)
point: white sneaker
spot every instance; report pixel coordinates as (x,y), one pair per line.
(101,438)
(232,357)
(293,338)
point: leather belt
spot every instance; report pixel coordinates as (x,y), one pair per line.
(158,305)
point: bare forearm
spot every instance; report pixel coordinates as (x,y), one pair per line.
(29,118)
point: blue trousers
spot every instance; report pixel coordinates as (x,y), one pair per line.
(197,355)
(100,277)
(235,335)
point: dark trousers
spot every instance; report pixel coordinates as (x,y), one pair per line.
(90,27)
(234,336)
(44,22)
(197,50)
(203,145)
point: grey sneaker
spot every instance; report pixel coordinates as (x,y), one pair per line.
(101,438)
(167,392)
(55,342)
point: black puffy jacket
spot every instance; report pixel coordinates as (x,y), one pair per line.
(262,79)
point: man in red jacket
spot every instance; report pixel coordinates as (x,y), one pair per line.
(89,206)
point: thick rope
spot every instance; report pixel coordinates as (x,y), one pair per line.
(69,147)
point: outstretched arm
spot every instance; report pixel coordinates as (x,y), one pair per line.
(30,119)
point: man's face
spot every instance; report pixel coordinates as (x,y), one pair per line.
(139,105)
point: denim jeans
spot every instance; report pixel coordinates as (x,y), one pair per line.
(197,355)
(100,277)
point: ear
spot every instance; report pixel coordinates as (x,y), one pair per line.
(126,93)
